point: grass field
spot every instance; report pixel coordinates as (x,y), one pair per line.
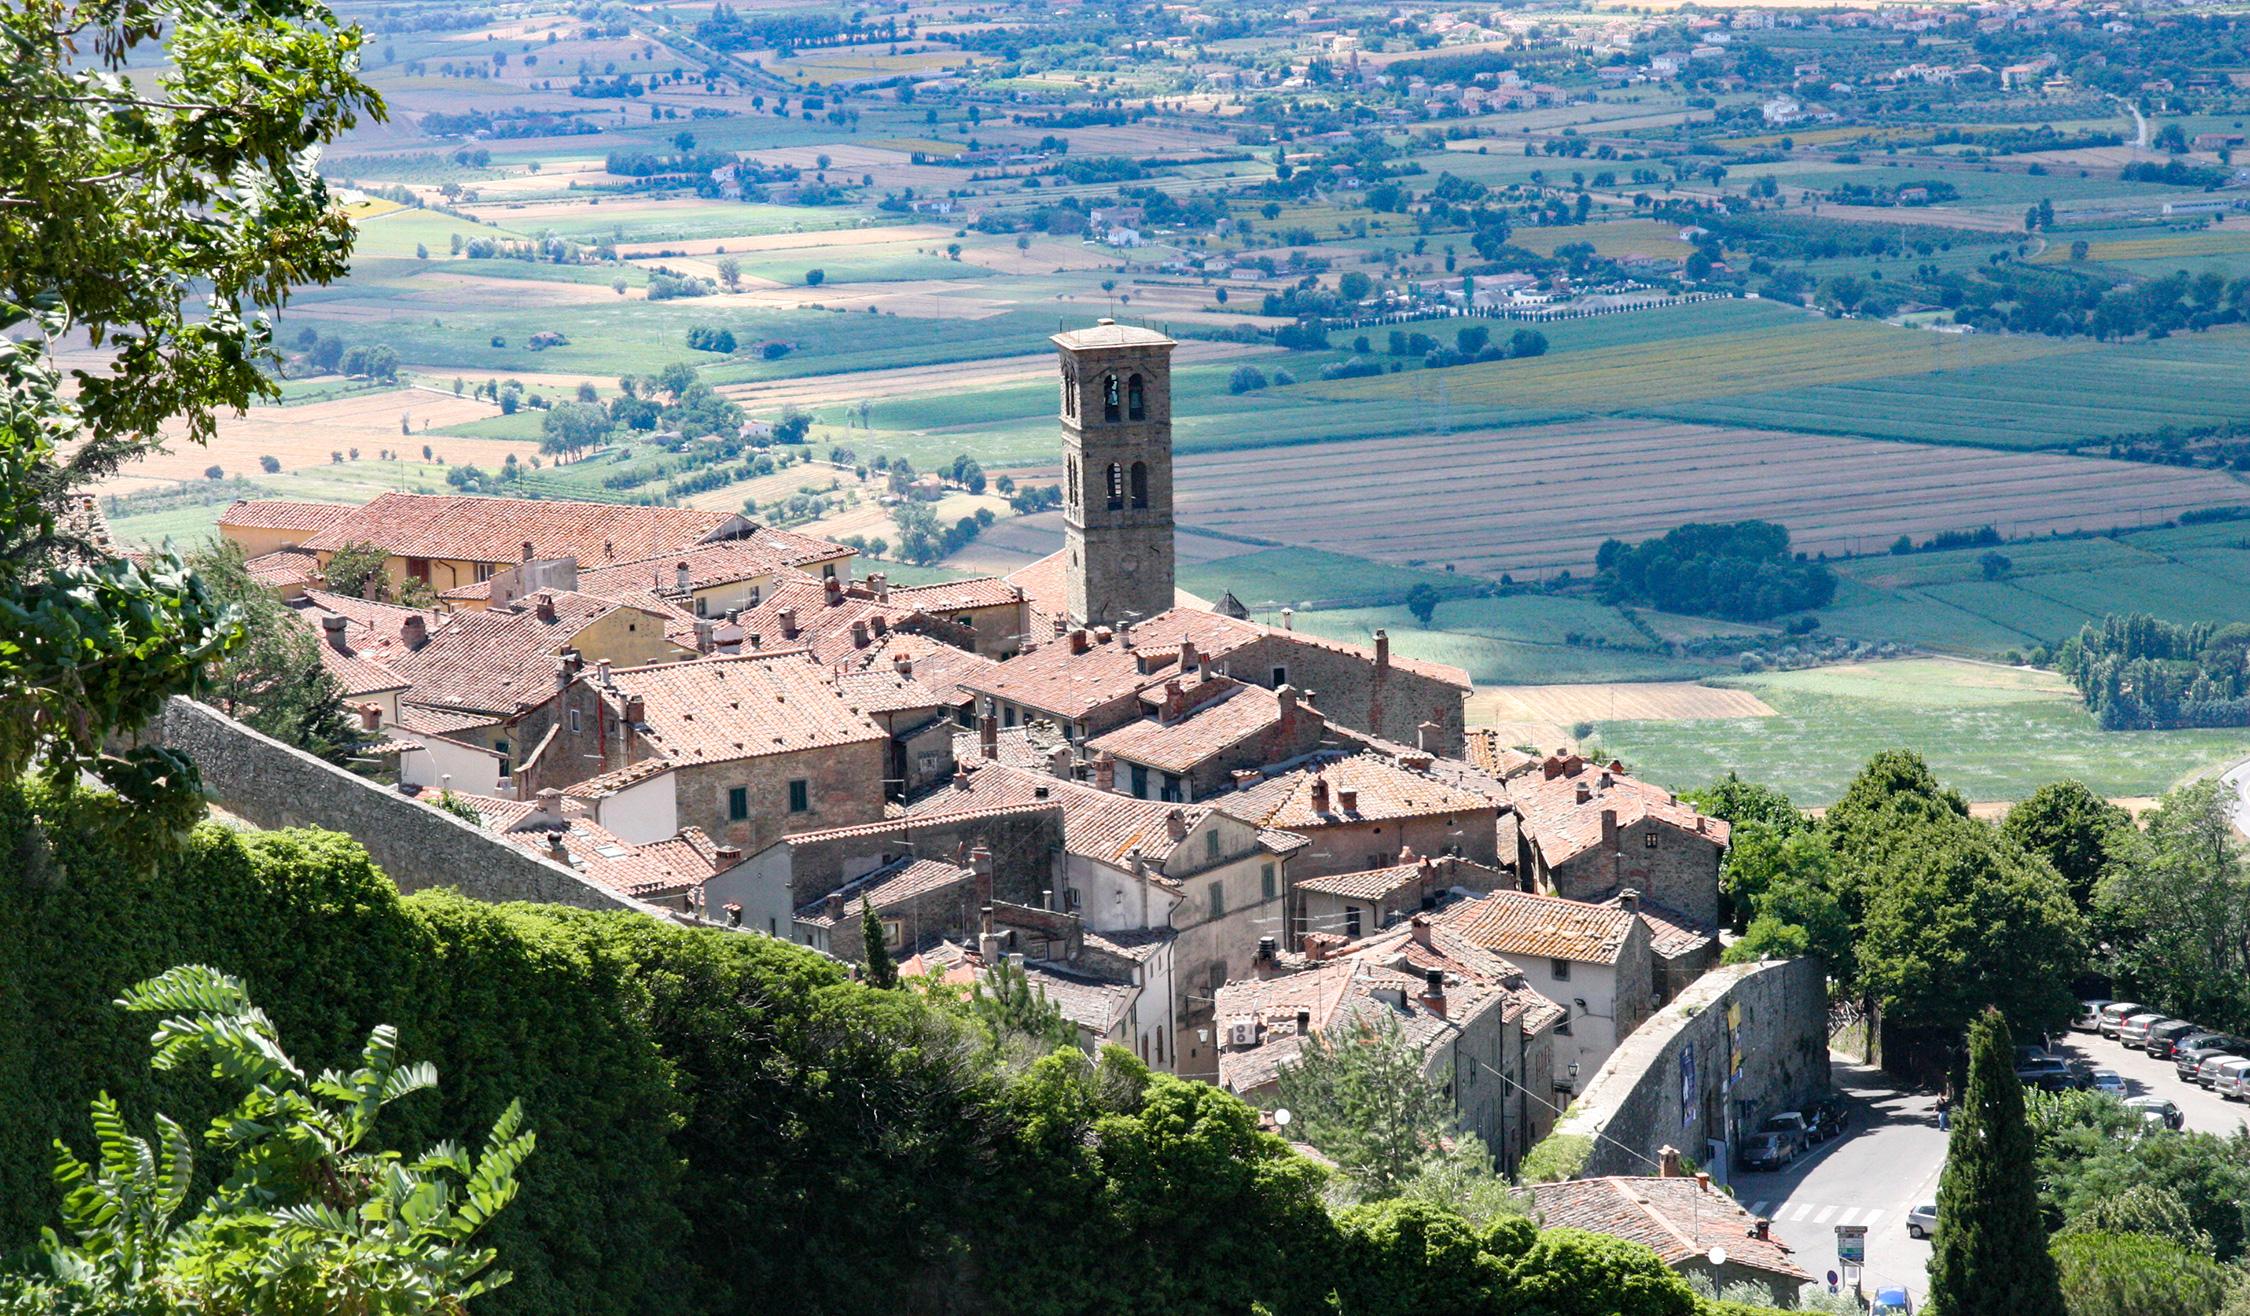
(1992,733)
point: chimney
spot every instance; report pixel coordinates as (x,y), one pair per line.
(1124,635)
(680,576)
(1617,766)
(1762,1229)
(562,674)
(414,632)
(1304,1023)
(1703,1181)
(557,848)
(574,661)
(546,607)
(1078,640)
(1347,799)
(1187,655)
(527,550)
(860,638)
(1175,825)
(1269,949)
(980,864)
(636,710)
(601,671)
(549,805)
(371,717)
(1175,700)
(835,590)
(960,776)
(333,627)
(1427,737)
(1286,696)
(833,906)
(1583,793)
(1287,615)
(881,584)
(1609,829)
(1668,1163)
(1319,794)
(1420,924)
(988,735)
(1105,771)
(734,914)
(1629,900)
(1605,782)
(1382,649)
(788,623)
(903,665)
(1203,674)
(1433,991)
(1245,778)
(609,548)
(705,628)
(725,857)
(1701,823)
(881,624)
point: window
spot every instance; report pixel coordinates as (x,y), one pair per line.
(1160,1044)
(1109,398)
(800,796)
(484,571)
(1648,838)
(755,590)
(1135,406)
(1211,844)
(1280,677)
(574,721)
(1172,792)
(702,607)
(500,747)
(1217,974)
(1218,899)
(894,931)
(1560,969)
(1266,882)
(1140,782)
(1351,923)
(738,803)
(1116,487)
(1008,715)
(1140,484)
(1069,397)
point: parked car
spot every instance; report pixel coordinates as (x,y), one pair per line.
(2048,1074)
(2111,1082)
(1768,1151)
(2229,1076)
(1921,1222)
(2165,1037)
(2189,1053)
(2089,1018)
(2207,1073)
(1789,1124)
(1892,1301)
(2134,1031)
(2114,1015)
(1830,1118)
(2157,1110)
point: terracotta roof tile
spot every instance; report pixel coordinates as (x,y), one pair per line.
(1525,924)
(1672,934)
(1381,789)
(1208,730)
(1093,1004)
(1678,1218)
(284,567)
(1564,826)
(957,595)
(713,710)
(762,552)
(888,692)
(889,887)
(824,627)
(1053,679)
(493,659)
(932,662)
(283,514)
(1102,825)
(477,529)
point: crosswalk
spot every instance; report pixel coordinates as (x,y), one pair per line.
(1817,1213)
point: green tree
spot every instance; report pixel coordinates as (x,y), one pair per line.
(2175,907)
(573,427)
(1422,602)
(353,565)
(2072,828)
(1012,1008)
(309,1219)
(1991,1249)
(1360,1096)
(881,972)
(273,680)
(2114,1274)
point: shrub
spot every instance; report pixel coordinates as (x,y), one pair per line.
(1556,1157)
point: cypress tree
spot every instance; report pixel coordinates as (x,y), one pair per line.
(1991,1257)
(880,971)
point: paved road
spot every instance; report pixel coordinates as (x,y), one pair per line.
(2205,1111)
(1886,1163)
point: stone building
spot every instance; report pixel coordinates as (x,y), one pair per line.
(1117,472)
(1684,1220)
(1362,811)
(918,901)
(1590,831)
(1592,960)
(1353,905)
(1200,730)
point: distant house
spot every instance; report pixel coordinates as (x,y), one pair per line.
(1693,1228)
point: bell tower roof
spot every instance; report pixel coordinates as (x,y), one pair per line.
(1108,333)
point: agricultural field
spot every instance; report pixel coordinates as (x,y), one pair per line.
(1994,733)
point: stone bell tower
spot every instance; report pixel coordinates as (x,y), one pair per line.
(1117,472)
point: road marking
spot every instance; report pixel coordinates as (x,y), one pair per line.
(1846,1217)
(1872,1217)
(1800,1210)
(1825,1212)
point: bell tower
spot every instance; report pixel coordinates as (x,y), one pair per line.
(1117,472)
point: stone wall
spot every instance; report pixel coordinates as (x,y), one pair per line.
(263,781)
(1680,871)
(1668,1084)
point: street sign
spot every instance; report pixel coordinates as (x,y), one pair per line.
(1851,1245)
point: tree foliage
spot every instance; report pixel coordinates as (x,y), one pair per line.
(272,681)
(2071,828)
(1741,570)
(1360,1096)
(308,1219)
(2123,1274)
(2175,908)
(1990,1253)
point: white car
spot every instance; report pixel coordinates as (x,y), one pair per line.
(1921,1222)
(2111,1082)
(2089,1018)
(2230,1077)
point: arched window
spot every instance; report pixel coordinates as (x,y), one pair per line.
(1140,484)
(1070,396)
(1109,397)
(1116,487)
(1135,407)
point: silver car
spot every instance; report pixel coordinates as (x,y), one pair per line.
(2229,1078)
(2089,1018)
(2111,1082)
(1921,1222)
(2114,1015)
(2134,1031)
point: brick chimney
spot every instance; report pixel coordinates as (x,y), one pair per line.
(1187,654)
(988,735)
(371,717)
(788,623)
(1319,794)
(1702,1181)
(834,590)
(1175,701)
(880,623)
(527,550)
(903,665)
(1583,793)
(1433,991)
(636,710)
(723,858)
(546,607)
(1347,799)
(1078,640)
(1762,1229)
(860,637)
(1175,826)
(332,626)
(1609,829)
(980,864)
(705,629)
(1382,649)
(1105,771)
(414,632)
(1668,1163)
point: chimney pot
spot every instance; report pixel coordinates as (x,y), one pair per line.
(1175,825)
(333,627)
(1763,1229)
(1703,1181)
(1105,771)
(1268,947)
(546,607)
(680,575)
(881,584)
(1382,649)
(1347,799)
(1078,639)
(527,550)
(724,857)
(788,623)
(834,589)
(1320,795)
(1668,1162)
(1629,900)
(988,735)
(414,631)
(1583,793)
(859,634)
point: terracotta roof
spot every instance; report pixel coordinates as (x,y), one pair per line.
(762,552)
(905,823)
(932,662)
(1053,679)
(712,710)
(1373,884)
(1502,761)
(888,692)
(440,721)
(957,595)
(354,670)
(1564,826)
(283,514)
(1135,944)
(1046,587)
(1219,636)
(477,529)
(1672,934)
(664,868)
(1208,730)
(1678,1218)
(493,659)
(1033,746)
(378,619)
(1382,789)
(1093,1004)
(823,622)
(1542,927)
(283,567)
(889,887)
(1101,825)
(1338,995)
(618,779)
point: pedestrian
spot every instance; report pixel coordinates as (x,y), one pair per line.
(1945,1109)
